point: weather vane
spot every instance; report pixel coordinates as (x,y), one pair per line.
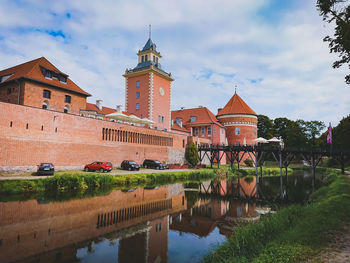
(235,89)
(150,30)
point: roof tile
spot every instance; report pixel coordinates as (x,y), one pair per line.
(31,70)
(236,106)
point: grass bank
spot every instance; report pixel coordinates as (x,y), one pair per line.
(81,181)
(295,233)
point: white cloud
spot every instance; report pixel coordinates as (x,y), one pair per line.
(232,40)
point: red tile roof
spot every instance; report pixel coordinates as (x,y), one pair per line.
(202,114)
(236,106)
(31,70)
(104,111)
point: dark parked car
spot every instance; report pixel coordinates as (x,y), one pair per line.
(130,165)
(99,166)
(154,164)
(45,169)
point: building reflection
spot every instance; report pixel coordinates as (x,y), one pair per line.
(138,219)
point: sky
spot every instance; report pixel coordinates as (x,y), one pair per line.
(270,50)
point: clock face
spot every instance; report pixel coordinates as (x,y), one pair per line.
(161,91)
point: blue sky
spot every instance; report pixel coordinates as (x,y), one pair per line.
(272,50)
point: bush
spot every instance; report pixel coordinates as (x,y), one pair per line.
(191,154)
(332,163)
(248,162)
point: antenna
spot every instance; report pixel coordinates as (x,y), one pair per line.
(150,31)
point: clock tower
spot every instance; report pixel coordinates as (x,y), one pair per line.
(148,88)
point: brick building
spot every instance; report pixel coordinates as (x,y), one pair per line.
(52,118)
(40,84)
(199,123)
(239,120)
(148,88)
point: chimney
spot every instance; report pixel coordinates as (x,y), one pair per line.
(182,108)
(119,108)
(219,109)
(99,104)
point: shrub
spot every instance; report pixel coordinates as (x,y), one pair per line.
(248,162)
(191,154)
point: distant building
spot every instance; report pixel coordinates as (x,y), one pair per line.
(148,88)
(40,84)
(198,122)
(239,120)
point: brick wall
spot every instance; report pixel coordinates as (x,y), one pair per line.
(30,136)
(33,96)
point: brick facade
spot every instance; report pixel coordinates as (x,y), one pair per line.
(30,136)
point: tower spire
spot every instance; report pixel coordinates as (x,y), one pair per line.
(235,89)
(150,31)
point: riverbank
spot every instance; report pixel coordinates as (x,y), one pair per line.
(65,181)
(294,234)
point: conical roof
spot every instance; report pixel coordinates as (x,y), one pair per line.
(150,45)
(236,106)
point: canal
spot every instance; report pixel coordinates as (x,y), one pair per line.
(173,223)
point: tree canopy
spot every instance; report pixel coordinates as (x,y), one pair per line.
(293,133)
(337,11)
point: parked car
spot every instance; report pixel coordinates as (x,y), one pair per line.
(45,169)
(130,165)
(154,164)
(99,166)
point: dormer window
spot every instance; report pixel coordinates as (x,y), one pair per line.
(142,59)
(63,79)
(4,78)
(146,58)
(193,118)
(48,74)
(179,121)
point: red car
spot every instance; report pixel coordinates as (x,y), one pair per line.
(99,166)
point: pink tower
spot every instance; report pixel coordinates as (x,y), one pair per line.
(148,88)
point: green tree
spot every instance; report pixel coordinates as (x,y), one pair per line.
(341,133)
(265,127)
(191,154)
(312,130)
(281,126)
(337,12)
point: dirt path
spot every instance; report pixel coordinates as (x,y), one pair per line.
(338,251)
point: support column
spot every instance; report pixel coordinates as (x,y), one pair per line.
(313,170)
(281,171)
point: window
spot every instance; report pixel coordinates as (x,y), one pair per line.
(3,78)
(46,105)
(209,131)
(238,130)
(67,98)
(137,106)
(179,121)
(63,79)
(142,59)
(238,143)
(196,131)
(254,131)
(66,109)
(222,131)
(137,83)
(137,95)
(146,57)
(162,119)
(47,94)
(202,131)
(159,118)
(48,74)
(9,90)
(193,118)
(154,59)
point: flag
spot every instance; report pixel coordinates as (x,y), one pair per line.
(329,136)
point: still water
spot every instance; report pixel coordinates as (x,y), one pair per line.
(173,223)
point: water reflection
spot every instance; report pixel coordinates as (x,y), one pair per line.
(175,223)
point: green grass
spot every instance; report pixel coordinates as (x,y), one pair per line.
(295,233)
(68,181)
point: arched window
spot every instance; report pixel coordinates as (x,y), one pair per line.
(66,109)
(46,105)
